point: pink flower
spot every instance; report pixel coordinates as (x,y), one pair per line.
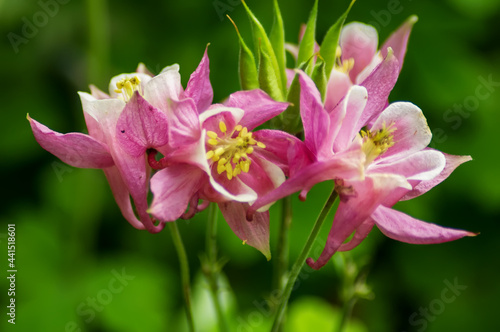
(358,56)
(136,99)
(320,160)
(395,165)
(213,155)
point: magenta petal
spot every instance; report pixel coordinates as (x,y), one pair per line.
(353,211)
(199,87)
(315,119)
(452,162)
(379,85)
(398,40)
(278,147)
(346,165)
(173,188)
(254,233)
(122,196)
(402,227)
(258,107)
(358,41)
(360,234)
(75,149)
(184,123)
(141,126)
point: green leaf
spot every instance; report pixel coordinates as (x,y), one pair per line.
(263,43)
(319,77)
(268,80)
(306,47)
(328,49)
(277,38)
(292,123)
(247,68)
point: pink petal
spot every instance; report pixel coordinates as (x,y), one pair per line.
(184,123)
(258,107)
(412,133)
(452,162)
(199,87)
(172,188)
(122,196)
(75,149)
(254,233)
(97,93)
(315,119)
(402,227)
(136,178)
(211,118)
(422,165)
(141,126)
(263,176)
(352,107)
(360,234)
(278,147)
(347,165)
(398,40)
(141,68)
(379,85)
(163,87)
(355,209)
(336,89)
(358,41)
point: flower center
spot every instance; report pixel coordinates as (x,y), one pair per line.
(127,86)
(377,142)
(343,66)
(231,153)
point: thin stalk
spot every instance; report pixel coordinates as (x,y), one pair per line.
(212,268)
(346,314)
(299,263)
(186,288)
(281,260)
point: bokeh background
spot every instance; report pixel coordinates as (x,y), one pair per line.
(72,241)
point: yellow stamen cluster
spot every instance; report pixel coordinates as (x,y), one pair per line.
(343,66)
(127,86)
(231,153)
(376,143)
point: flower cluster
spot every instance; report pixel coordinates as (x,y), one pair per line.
(149,134)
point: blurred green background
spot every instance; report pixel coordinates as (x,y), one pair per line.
(72,241)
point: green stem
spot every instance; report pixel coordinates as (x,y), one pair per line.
(346,314)
(212,268)
(281,261)
(299,263)
(181,252)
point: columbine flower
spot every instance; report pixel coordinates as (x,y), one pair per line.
(395,165)
(320,160)
(357,56)
(136,99)
(213,155)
